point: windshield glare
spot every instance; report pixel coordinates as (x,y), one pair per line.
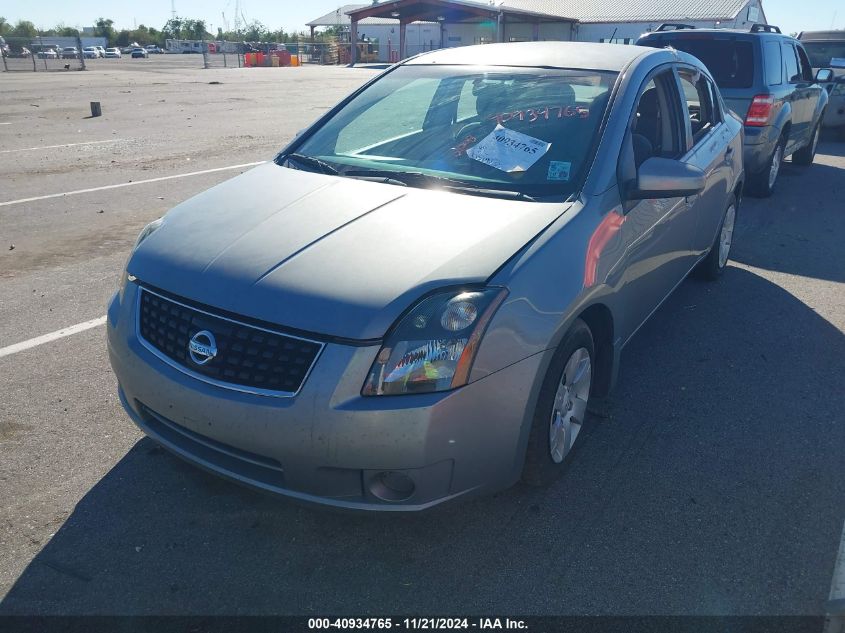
(529,131)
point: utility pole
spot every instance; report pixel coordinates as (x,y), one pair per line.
(173,9)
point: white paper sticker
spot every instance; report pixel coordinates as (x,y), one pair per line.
(508,151)
(837,62)
(559,170)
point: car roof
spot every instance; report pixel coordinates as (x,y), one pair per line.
(822,36)
(692,33)
(579,55)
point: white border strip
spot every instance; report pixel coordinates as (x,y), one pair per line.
(52,336)
(129,184)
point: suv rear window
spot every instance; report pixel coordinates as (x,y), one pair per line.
(731,62)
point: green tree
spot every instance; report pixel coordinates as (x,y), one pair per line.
(5,27)
(24,28)
(105,28)
(255,31)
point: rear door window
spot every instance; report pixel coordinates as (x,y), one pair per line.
(700,106)
(730,61)
(804,61)
(774,64)
(790,61)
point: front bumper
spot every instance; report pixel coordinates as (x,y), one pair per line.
(329,445)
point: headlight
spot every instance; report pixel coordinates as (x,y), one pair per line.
(148,230)
(432,348)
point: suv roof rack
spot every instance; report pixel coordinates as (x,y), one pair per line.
(673,26)
(764,28)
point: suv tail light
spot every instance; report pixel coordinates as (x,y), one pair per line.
(760,110)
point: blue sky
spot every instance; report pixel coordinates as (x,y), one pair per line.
(293,14)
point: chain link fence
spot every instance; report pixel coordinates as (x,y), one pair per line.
(43,54)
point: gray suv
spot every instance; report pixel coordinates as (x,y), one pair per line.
(827,49)
(766,78)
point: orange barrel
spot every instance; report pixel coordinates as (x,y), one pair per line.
(294,60)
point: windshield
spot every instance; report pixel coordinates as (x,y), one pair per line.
(528,131)
(826,54)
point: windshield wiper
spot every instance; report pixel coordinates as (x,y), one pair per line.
(450,184)
(491,193)
(382,179)
(406,177)
(312,161)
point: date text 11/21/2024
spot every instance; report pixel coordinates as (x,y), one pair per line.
(414,624)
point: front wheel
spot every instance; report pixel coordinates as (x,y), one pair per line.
(712,266)
(561,408)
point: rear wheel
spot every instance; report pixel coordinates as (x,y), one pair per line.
(712,266)
(762,184)
(561,408)
(806,154)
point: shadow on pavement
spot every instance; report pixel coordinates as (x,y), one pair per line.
(714,487)
(800,229)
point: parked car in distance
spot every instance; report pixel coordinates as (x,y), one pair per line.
(766,78)
(154,50)
(410,306)
(47,53)
(101,50)
(826,49)
(139,52)
(70,52)
(112,53)
(90,52)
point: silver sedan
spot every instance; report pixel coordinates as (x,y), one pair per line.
(416,300)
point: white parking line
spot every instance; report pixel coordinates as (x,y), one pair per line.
(32,149)
(128,184)
(52,336)
(837,585)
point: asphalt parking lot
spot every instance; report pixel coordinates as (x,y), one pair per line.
(714,485)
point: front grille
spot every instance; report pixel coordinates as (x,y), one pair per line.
(249,358)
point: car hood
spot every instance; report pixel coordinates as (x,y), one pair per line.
(330,255)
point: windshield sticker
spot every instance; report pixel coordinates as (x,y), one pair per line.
(508,151)
(837,62)
(559,170)
(545,113)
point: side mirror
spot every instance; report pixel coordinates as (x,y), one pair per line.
(823,75)
(666,178)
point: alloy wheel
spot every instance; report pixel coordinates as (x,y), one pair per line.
(570,404)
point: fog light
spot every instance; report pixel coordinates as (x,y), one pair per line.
(390,485)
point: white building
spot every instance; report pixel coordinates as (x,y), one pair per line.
(623,21)
(412,26)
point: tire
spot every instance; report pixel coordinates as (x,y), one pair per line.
(806,154)
(762,184)
(713,266)
(556,427)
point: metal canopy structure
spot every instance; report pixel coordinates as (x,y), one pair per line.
(443,12)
